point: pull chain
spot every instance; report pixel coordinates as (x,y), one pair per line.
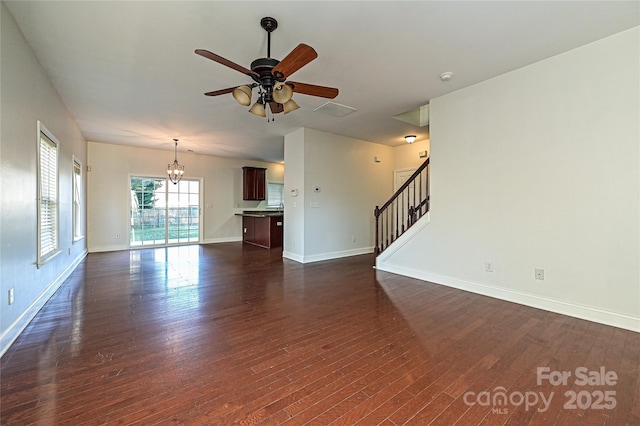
(267,108)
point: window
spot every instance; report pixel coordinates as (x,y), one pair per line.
(163,213)
(47,195)
(77,200)
(148,211)
(275,195)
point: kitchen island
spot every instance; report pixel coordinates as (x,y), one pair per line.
(262,228)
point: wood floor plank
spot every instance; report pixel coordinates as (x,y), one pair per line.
(228,334)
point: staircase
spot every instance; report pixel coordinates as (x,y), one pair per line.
(404,208)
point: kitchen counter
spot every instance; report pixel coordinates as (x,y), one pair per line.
(262,228)
(260,213)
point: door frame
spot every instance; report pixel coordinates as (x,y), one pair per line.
(397,174)
(166,195)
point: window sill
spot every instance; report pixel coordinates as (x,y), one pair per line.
(48,257)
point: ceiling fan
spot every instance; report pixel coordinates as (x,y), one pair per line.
(270,77)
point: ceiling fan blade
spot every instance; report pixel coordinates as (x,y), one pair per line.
(276,108)
(313,90)
(296,59)
(226,62)
(220,92)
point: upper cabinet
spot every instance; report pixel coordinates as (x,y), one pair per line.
(254,183)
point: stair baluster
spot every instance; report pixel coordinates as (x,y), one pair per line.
(395,216)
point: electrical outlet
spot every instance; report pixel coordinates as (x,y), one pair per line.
(353,239)
(11,296)
(488,266)
(539,274)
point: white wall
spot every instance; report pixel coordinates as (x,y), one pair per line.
(539,168)
(293,236)
(28,96)
(109,191)
(407,156)
(350,185)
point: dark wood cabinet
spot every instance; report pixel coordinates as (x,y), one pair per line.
(254,183)
(248,228)
(263,231)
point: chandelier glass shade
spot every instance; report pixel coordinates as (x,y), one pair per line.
(175,170)
(282,93)
(258,109)
(290,105)
(242,94)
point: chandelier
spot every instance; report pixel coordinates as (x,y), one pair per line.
(175,170)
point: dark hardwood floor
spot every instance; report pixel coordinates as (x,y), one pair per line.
(233,334)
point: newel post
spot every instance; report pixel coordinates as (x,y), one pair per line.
(376,213)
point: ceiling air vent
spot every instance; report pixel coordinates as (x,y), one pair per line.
(334,109)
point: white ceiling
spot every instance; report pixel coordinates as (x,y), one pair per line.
(128,73)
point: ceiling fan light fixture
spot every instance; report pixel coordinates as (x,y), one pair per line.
(242,94)
(290,105)
(270,76)
(258,109)
(282,93)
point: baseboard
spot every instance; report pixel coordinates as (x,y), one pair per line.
(589,313)
(405,237)
(292,256)
(327,256)
(18,326)
(221,240)
(114,247)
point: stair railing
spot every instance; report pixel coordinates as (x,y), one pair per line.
(409,203)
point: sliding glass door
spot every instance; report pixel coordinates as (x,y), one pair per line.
(164,213)
(183,212)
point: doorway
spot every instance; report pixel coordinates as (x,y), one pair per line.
(163,213)
(401,176)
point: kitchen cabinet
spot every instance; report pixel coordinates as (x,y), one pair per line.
(254,183)
(263,230)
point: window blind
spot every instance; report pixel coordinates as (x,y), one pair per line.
(275,195)
(48,190)
(77,207)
